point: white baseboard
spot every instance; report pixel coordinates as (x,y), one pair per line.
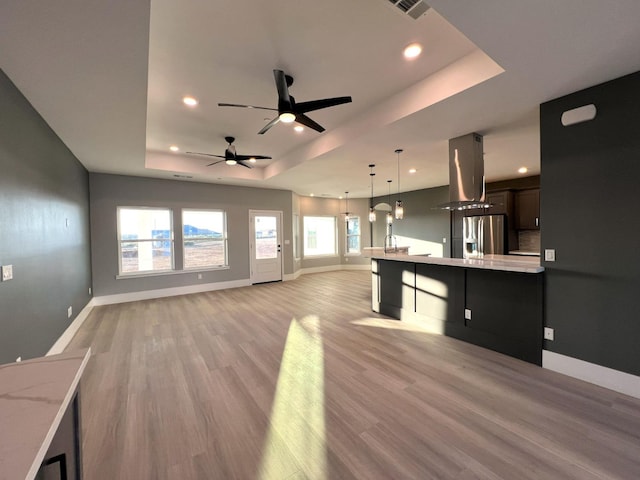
(71,330)
(332,268)
(168,292)
(590,372)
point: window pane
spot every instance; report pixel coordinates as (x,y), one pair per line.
(204,238)
(144,223)
(145,256)
(266,237)
(146,240)
(353,235)
(204,253)
(319,236)
(353,226)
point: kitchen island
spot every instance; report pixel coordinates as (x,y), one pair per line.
(40,417)
(495,302)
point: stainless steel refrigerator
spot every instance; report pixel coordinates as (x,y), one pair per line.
(483,235)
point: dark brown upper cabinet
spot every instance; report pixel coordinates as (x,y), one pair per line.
(528,209)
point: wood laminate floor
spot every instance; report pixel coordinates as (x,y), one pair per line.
(299,380)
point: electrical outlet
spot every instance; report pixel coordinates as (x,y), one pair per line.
(467,314)
(548,333)
(89,290)
(69,312)
(7,272)
(199,276)
(549,255)
(444,239)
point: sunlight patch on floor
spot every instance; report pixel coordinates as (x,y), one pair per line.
(410,325)
(296,441)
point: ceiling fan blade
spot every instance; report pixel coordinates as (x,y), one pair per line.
(249,157)
(304,120)
(284,102)
(269,125)
(206,154)
(215,163)
(246,106)
(312,105)
(240,162)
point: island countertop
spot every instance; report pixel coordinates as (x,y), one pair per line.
(505,263)
(34,396)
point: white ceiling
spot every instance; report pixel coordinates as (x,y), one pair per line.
(108,77)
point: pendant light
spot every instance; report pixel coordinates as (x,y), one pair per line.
(389,214)
(346,213)
(372,211)
(399,207)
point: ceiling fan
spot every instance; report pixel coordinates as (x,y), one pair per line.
(288,110)
(230,156)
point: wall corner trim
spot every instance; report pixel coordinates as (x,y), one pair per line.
(64,339)
(590,372)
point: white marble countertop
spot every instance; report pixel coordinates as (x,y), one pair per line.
(34,396)
(505,263)
(524,252)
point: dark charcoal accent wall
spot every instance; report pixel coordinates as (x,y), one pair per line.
(589,204)
(42,185)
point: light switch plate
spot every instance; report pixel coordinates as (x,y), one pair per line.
(549,255)
(7,272)
(467,314)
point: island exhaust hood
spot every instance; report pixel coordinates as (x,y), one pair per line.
(466,173)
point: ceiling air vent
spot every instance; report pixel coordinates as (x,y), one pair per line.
(413,8)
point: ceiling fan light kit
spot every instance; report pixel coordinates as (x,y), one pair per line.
(288,110)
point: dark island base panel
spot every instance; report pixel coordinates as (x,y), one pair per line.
(506,307)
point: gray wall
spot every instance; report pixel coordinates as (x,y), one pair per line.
(110,191)
(42,187)
(317,206)
(589,207)
(422,221)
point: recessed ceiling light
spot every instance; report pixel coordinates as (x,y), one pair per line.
(252,160)
(412,170)
(523,170)
(299,128)
(311,195)
(189,101)
(174,148)
(412,51)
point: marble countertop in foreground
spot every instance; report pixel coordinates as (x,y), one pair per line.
(34,396)
(505,263)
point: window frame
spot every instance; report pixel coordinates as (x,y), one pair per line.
(225,243)
(335,253)
(347,253)
(120,241)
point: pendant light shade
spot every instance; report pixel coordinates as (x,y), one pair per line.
(399,206)
(389,214)
(372,211)
(399,210)
(346,213)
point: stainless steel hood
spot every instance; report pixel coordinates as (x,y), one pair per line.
(466,173)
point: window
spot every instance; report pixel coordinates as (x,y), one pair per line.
(296,236)
(204,238)
(353,235)
(319,236)
(146,240)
